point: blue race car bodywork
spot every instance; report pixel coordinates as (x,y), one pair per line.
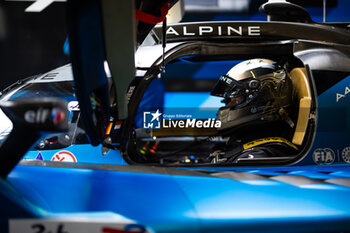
(295,199)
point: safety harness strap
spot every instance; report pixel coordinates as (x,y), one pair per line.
(267,140)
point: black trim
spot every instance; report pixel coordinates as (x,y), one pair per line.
(122,168)
(188,85)
(296,180)
(285,11)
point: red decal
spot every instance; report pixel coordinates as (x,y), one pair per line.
(64,156)
(113,230)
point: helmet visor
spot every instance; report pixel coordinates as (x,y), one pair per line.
(223,86)
(226,86)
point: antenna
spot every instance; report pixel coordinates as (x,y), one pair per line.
(324,10)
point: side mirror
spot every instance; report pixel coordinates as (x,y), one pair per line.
(32,119)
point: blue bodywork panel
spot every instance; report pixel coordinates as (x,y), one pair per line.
(295,199)
(331,144)
(84,153)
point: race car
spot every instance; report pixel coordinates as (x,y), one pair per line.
(268,108)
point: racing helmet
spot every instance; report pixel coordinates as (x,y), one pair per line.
(254,91)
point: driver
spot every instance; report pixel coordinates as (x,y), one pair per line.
(257,116)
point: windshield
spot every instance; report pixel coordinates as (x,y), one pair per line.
(181,121)
(43,87)
(63,90)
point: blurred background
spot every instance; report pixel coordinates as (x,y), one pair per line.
(32,43)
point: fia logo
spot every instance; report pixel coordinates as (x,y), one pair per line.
(151,120)
(323,156)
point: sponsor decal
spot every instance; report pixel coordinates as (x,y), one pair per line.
(220,30)
(57,115)
(64,156)
(73,106)
(153,120)
(346,154)
(40,116)
(344,94)
(39,156)
(323,156)
(74,226)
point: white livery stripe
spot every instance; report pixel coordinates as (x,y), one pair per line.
(39,5)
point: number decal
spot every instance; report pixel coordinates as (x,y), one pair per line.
(74,226)
(39,228)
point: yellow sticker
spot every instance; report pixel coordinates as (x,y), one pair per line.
(266,140)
